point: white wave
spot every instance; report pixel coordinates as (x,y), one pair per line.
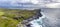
(35,22)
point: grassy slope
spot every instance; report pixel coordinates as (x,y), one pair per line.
(10,18)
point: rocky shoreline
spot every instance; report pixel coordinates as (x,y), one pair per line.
(25,23)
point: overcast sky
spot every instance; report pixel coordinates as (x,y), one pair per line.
(42,3)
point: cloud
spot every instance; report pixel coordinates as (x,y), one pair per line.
(56,1)
(49,3)
(34,1)
(42,3)
(53,5)
(21,1)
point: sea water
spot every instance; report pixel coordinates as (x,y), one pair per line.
(38,22)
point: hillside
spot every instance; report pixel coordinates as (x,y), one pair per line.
(11,17)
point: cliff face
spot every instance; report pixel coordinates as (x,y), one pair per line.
(25,23)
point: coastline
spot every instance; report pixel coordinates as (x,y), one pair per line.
(25,23)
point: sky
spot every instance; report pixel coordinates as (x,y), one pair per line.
(41,3)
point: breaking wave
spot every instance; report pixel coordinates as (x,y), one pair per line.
(38,22)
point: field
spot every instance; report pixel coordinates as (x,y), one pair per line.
(11,17)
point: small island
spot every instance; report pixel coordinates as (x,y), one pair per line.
(17,17)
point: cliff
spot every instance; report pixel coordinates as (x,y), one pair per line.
(25,23)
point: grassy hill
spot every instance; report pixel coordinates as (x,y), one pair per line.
(11,17)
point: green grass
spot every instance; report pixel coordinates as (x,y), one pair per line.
(6,22)
(11,17)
